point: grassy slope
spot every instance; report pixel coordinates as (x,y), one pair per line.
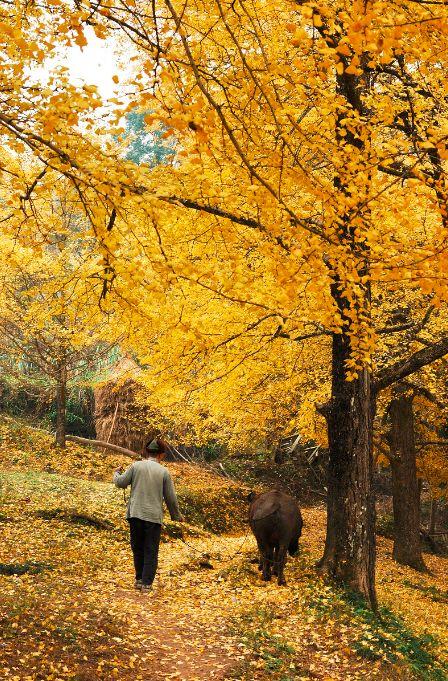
(62,619)
(24,449)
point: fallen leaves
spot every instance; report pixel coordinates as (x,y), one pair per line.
(78,618)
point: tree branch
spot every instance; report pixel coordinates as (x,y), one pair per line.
(406,367)
(188,203)
(415,326)
(305,336)
(431,443)
(395,329)
(424,392)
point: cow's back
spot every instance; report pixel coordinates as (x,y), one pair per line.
(274,516)
(268,503)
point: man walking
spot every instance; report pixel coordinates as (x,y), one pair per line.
(150,484)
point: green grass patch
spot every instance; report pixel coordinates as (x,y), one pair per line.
(435,594)
(31,567)
(54,495)
(382,635)
(276,654)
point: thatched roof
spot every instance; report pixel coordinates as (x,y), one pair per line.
(118,417)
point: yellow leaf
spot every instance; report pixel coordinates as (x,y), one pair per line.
(80,39)
(344,49)
(353,70)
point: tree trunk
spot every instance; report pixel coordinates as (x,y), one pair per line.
(405,486)
(349,554)
(61,405)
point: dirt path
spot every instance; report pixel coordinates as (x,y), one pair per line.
(225,623)
(177,646)
(183,633)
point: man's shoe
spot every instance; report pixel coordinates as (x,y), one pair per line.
(146,588)
(138,584)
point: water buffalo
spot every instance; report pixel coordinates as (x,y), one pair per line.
(276,522)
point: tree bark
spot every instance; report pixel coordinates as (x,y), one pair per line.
(61,405)
(349,554)
(405,485)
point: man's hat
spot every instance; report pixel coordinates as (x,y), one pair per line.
(152,446)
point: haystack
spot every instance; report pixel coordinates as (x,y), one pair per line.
(118,417)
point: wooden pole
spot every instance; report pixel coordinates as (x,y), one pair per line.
(177,453)
(113,423)
(101,443)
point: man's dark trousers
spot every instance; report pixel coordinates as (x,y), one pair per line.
(145,539)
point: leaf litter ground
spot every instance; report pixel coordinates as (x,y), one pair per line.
(72,612)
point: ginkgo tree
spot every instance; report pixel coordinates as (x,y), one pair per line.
(319,127)
(400,410)
(51,128)
(409,441)
(49,312)
(314,133)
(310,178)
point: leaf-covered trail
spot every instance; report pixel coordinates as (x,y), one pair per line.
(226,623)
(182,627)
(177,647)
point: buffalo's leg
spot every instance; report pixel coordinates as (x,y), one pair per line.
(260,556)
(275,561)
(267,564)
(281,562)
